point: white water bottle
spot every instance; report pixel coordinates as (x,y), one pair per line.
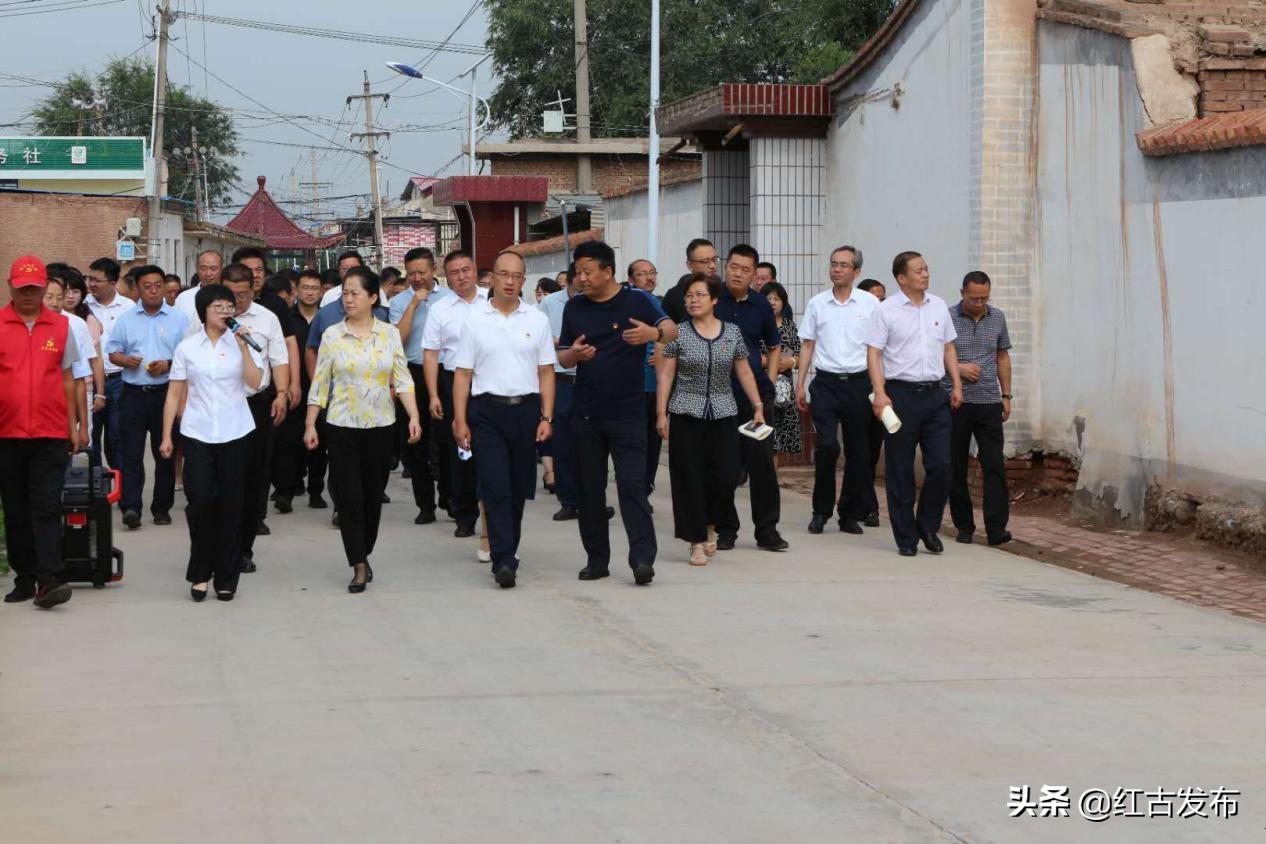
(888,417)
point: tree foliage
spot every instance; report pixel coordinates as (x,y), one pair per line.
(127,88)
(703,43)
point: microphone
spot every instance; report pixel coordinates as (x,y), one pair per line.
(235,326)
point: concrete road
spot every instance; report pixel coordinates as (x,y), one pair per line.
(834,693)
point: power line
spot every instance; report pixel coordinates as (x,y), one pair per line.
(60,7)
(342,35)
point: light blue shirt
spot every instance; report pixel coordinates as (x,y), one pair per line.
(552,305)
(150,337)
(413,348)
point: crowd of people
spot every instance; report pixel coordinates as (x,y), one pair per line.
(249,386)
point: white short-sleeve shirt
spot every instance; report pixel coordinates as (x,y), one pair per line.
(82,367)
(108,315)
(444,325)
(838,331)
(266,330)
(215,407)
(912,337)
(505,351)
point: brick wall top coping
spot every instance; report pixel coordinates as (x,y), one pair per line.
(554,244)
(731,102)
(1206,134)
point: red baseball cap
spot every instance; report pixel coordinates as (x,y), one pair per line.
(28,271)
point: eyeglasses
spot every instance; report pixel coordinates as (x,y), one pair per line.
(221,308)
(505,276)
(841,265)
(712,260)
(698,296)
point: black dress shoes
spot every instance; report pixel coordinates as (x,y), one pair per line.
(198,595)
(594,574)
(162,517)
(50,595)
(964,536)
(247,566)
(386,499)
(907,552)
(643,574)
(872,520)
(774,543)
(850,526)
(262,529)
(424,517)
(464,531)
(505,577)
(817,523)
(284,504)
(19,594)
(726,543)
(566,514)
(1001,538)
(316,502)
(932,542)
(224,595)
(131,520)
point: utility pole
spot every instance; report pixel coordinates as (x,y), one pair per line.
(156,143)
(314,186)
(584,167)
(370,135)
(197,175)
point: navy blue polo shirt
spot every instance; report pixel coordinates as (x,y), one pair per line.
(755,318)
(611,385)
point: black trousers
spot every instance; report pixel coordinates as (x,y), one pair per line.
(654,445)
(215,484)
(32,473)
(255,483)
(843,403)
(876,436)
(463,502)
(504,437)
(925,423)
(317,460)
(289,454)
(141,414)
(416,456)
(360,461)
(623,442)
(984,422)
(762,483)
(703,460)
(105,425)
(566,484)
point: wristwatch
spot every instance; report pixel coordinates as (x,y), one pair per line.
(1007,396)
(549,419)
(659,333)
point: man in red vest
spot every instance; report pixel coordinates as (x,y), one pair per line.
(38,431)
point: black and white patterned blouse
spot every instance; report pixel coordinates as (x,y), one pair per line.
(702,388)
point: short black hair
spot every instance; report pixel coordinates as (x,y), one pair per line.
(900,263)
(369,280)
(743,250)
(773,271)
(278,284)
(309,274)
(483,271)
(236,272)
(595,250)
(548,284)
(976,277)
(417,253)
(869,284)
(108,267)
(456,255)
(715,287)
(389,274)
(330,277)
(775,287)
(137,273)
(243,252)
(173,277)
(695,244)
(209,293)
(351,253)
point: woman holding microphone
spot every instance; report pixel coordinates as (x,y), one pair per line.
(360,364)
(211,372)
(697,413)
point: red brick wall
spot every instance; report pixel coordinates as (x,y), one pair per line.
(399,238)
(609,172)
(74,229)
(1231,90)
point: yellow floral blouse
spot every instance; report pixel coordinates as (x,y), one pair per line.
(354,377)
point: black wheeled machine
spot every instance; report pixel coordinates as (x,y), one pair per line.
(88,552)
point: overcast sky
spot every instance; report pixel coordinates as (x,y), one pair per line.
(289,74)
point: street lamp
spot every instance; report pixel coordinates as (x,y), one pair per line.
(410,71)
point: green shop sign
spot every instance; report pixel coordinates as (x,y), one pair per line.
(70,158)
